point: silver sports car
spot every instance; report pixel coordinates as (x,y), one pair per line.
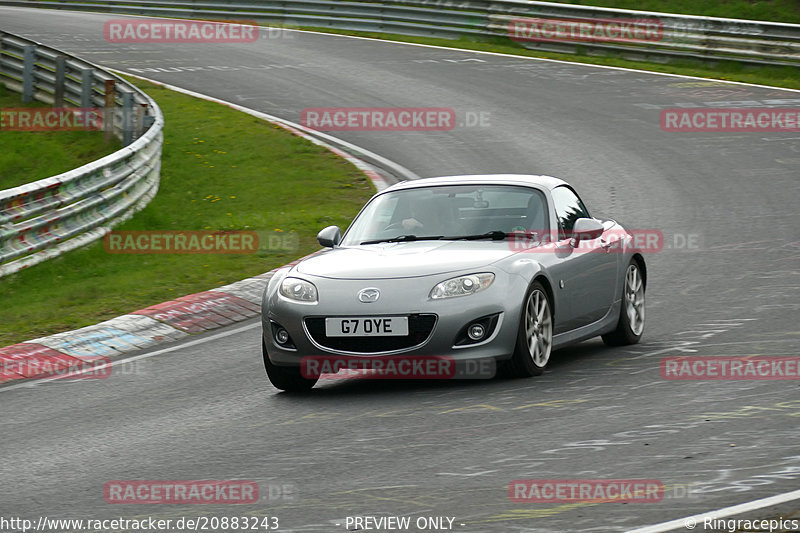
(505,268)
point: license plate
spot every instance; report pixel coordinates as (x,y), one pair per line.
(386,326)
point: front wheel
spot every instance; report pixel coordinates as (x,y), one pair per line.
(535,335)
(631,316)
(288,378)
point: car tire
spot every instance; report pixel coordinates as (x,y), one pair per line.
(534,336)
(287,378)
(630,325)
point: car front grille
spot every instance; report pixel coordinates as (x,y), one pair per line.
(420,328)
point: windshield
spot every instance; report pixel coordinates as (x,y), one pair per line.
(439,212)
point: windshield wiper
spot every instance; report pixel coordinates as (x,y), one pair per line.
(405,238)
(495,235)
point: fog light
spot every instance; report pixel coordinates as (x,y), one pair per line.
(282,336)
(476,332)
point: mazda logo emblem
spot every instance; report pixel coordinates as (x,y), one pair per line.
(368,296)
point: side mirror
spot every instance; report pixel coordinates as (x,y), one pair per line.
(330,236)
(587,228)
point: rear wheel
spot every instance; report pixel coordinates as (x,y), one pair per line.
(288,378)
(631,316)
(535,335)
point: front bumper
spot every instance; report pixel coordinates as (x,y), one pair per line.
(399,297)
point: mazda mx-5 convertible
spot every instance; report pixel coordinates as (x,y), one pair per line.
(504,268)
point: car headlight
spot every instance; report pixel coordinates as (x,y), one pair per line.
(462,286)
(298,290)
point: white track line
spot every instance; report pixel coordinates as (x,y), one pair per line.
(116,362)
(691,522)
(562,61)
(465,50)
(317,137)
(657,528)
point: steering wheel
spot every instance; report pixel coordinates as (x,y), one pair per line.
(394,225)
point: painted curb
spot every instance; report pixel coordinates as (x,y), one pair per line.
(165,322)
(54,355)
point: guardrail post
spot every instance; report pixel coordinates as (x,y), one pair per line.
(141,109)
(148,121)
(81,202)
(28,72)
(87,86)
(127,118)
(1,52)
(108,111)
(61,74)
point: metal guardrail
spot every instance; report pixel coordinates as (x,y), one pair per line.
(46,218)
(680,36)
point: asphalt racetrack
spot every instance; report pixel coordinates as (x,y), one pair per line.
(726,283)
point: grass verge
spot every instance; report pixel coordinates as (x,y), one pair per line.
(221,170)
(771,10)
(29,156)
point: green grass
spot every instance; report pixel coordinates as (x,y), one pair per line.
(778,76)
(221,169)
(773,10)
(29,156)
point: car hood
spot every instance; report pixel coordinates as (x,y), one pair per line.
(404,259)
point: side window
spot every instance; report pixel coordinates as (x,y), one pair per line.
(569,208)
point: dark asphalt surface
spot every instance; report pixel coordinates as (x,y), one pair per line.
(206,411)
